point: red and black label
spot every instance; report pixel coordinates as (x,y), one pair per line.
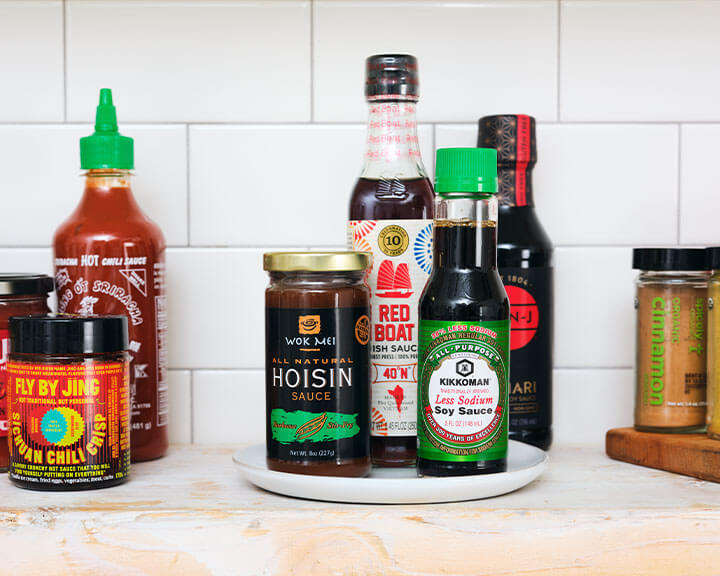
(530,294)
(69,423)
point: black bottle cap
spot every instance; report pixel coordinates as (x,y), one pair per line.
(712,258)
(68,334)
(670,259)
(392,77)
(25,284)
(512,135)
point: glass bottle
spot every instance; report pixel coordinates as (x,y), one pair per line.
(391,212)
(317,309)
(525,259)
(110,259)
(713,345)
(464,325)
(671,360)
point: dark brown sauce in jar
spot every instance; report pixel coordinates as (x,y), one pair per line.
(20,295)
(317,328)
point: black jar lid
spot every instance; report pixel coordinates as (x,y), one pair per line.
(25,284)
(712,257)
(670,259)
(68,334)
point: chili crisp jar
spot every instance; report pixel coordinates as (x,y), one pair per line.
(69,396)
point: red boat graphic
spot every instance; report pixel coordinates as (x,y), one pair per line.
(393,282)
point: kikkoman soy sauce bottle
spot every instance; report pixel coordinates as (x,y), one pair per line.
(110,259)
(391,214)
(525,258)
(464,325)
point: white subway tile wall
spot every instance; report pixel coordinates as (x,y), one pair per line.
(248,119)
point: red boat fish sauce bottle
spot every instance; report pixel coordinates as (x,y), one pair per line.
(391,214)
(110,259)
(464,325)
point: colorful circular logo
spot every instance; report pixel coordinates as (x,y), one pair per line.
(393,240)
(423,248)
(464,399)
(62,426)
(524,317)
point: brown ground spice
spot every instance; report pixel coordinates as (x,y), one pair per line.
(671,357)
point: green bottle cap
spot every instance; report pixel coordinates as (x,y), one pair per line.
(106,148)
(466,172)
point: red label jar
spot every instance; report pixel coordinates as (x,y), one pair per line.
(69,402)
(20,295)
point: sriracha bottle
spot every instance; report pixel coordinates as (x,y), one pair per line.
(391,213)
(110,259)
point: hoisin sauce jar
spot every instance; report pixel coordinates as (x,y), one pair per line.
(317,378)
(69,401)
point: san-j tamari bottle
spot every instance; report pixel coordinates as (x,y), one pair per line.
(525,256)
(110,259)
(464,325)
(391,214)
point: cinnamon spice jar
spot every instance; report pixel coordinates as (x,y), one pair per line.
(671,373)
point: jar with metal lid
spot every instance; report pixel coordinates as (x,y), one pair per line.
(20,294)
(670,370)
(317,328)
(713,344)
(69,400)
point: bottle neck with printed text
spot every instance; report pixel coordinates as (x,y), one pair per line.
(393,183)
(525,255)
(391,212)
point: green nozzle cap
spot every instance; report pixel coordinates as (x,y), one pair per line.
(466,172)
(106,148)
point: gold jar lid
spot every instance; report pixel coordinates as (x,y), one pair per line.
(316,261)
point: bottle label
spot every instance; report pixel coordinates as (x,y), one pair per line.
(402,262)
(4,351)
(463,399)
(531,319)
(317,383)
(671,357)
(124,279)
(69,424)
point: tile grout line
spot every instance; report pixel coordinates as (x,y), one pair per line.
(559,58)
(312,61)
(247,248)
(356,123)
(65,75)
(678,204)
(192,407)
(188,242)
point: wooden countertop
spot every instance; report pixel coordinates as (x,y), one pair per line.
(193,513)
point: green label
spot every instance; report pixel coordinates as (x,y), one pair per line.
(463,390)
(300,426)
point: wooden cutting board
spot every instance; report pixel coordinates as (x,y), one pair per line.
(690,454)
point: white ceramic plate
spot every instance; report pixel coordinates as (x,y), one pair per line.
(395,485)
